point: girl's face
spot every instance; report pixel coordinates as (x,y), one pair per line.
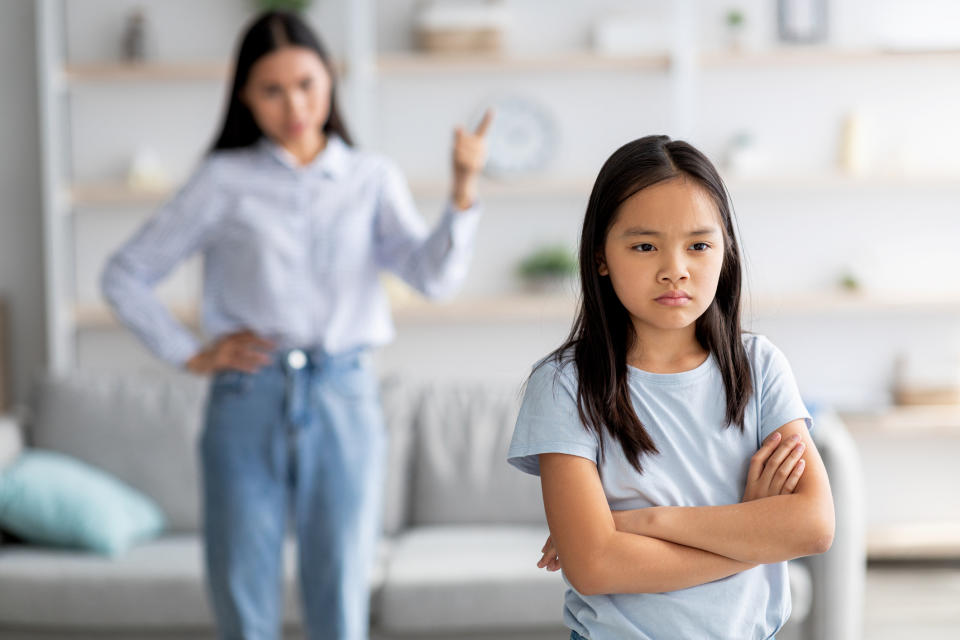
(664,253)
(288,92)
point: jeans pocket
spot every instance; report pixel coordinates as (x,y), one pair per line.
(230,382)
(354,379)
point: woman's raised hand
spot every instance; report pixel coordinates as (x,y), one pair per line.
(775,468)
(469,154)
(242,351)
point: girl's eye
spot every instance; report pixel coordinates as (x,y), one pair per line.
(700,246)
(643,247)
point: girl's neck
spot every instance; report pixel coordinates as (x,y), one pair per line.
(306,148)
(667,351)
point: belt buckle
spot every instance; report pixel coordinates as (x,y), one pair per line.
(296,359)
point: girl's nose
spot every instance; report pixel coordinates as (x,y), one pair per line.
(673,270)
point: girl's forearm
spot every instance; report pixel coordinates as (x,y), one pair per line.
(630,563)
(767,530)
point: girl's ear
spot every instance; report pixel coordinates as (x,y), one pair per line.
(602,265)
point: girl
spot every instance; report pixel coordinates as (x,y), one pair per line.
(293,224)
(655,407)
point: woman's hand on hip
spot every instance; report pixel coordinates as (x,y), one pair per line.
(775,468)
(242,351)
(469,155)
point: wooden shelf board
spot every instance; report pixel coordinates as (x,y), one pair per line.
(414,62)
(914,541)
(99,72)
(108,194)
(519,306)
(99,316)
(906,420)
(486,309)
(815,55)
(93,194)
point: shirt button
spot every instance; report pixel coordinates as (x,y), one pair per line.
(297,359)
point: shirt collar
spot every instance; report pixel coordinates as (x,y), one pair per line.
(331,162)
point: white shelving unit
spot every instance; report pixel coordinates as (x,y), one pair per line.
(363,67)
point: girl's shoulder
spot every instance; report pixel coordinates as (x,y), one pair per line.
(764,357)
(553,371)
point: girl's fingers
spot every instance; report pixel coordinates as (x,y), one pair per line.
(778,456)
(547,544)
(782,473)
(759,459)
(794,478)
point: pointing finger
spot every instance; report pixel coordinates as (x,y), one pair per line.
(484,123)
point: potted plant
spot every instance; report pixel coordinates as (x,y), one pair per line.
(284,5)
(735,20)
(550,269)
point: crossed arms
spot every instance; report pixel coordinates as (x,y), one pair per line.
(786,513)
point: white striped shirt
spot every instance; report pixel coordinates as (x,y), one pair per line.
(290,252)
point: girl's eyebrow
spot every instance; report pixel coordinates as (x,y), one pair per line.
(639,231)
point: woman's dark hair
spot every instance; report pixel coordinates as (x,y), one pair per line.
(269,32)
(602,333)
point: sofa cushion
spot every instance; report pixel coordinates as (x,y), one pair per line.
(140,428)
(49,498)
(158,584)
(461,475)
(468,578)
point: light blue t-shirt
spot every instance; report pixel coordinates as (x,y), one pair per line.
(700,463)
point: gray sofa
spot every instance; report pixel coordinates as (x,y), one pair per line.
(462,528)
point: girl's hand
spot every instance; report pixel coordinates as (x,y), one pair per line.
(775,468)
(469,154)
(242,351)
(550,560)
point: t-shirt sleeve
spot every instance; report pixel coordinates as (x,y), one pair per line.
(780,400)
(548,421)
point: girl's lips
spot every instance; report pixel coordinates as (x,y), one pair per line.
(673,302)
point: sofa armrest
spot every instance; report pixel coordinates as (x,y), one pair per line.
(11,439)
(839,575)
(11,443)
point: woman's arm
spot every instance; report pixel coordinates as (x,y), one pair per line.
(599,559)
(176,231)
(433,262)
(764,530)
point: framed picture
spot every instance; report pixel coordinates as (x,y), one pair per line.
(802,21)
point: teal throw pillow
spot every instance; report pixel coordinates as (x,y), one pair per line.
(49,498)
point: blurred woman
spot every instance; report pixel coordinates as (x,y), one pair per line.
(294,225)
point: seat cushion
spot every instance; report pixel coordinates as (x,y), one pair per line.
(156,585)
(452,579)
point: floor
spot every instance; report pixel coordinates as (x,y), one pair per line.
(907,600)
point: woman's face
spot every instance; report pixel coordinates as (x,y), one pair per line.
(288,92)
(664,253)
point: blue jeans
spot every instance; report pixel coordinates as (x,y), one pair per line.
(576,636)
(303,440)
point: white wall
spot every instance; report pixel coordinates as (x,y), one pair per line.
(21,255)
(797,237)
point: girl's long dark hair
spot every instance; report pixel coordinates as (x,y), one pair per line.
(602,333)
(269,32)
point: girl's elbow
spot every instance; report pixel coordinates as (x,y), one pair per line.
(586,576)
(823,539)
(820,536)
